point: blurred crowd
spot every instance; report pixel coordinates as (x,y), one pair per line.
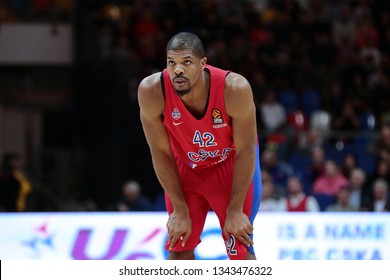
(12,11)
(320,74)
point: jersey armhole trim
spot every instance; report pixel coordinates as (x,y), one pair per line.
(162,83)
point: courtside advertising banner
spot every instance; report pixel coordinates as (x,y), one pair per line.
(141,236)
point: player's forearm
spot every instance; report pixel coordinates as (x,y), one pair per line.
(167,174)
(244,166)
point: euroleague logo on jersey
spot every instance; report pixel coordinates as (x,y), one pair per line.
(216,115)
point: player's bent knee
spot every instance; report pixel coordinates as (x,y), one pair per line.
(184,255)
(250,256)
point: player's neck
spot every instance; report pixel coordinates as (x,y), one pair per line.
(200,90)
(196,100)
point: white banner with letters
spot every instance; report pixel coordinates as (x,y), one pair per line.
(141,236)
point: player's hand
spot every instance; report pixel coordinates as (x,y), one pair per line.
(179,228)
(238,225)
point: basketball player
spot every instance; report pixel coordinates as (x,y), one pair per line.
(199,122)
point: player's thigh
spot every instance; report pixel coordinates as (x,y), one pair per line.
(219,202)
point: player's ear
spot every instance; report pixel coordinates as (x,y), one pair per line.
(203,61)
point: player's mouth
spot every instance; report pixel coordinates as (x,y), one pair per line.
(180,81)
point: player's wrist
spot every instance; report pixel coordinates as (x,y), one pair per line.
(234,210)
(181,210)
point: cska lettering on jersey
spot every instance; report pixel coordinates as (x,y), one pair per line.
(206,140)
(202,155)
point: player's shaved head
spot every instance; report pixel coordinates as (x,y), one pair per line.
(186,41)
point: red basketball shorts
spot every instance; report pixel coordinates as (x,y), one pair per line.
(209,189)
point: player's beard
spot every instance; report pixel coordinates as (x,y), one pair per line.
(183,92)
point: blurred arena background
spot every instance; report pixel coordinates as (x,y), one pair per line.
(71,140)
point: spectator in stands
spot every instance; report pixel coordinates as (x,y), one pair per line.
(272,112)
(380,201)
(349,162)
(297,200)
(381,145)
(357,181)
(331,182)
(357,91)
(132,198)
(334,97)
(265,177)
(370,56)
(382,171)
(277,169)
(14,186)
(268,201)
(378,87)
(365,32)
(347,119)
(342,204)
(316,167)
(344,30)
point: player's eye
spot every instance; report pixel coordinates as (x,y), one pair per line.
(187,62)
(171,62)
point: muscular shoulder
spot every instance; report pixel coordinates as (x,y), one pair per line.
(150,95)
(236,81)
(150,85)
(238,94)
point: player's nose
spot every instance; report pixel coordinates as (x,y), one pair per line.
(179,70)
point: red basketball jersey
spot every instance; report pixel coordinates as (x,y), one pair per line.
(199,143)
